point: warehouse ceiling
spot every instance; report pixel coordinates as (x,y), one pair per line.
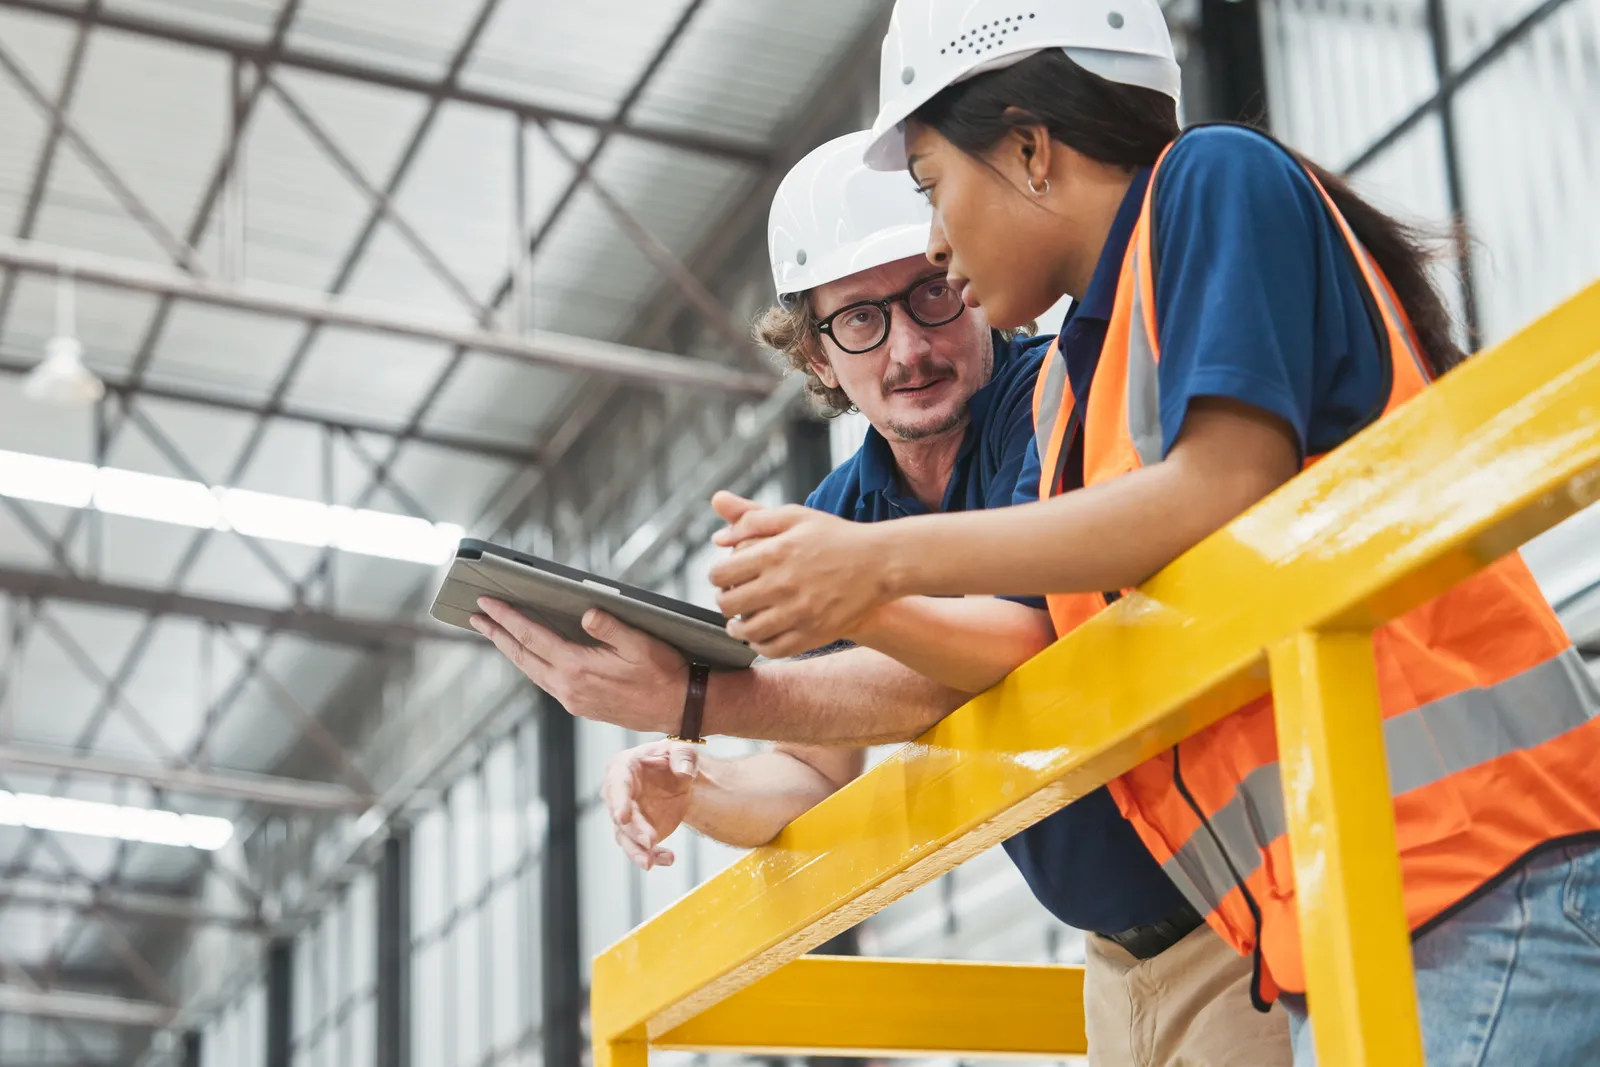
(355,278)
(352,278)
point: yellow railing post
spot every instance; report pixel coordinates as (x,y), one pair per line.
(1353,930)
(621,1054)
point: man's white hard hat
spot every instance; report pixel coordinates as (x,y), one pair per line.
(933,44)
(833,216)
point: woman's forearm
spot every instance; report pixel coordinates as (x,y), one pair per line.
(966,643)
(1109,536)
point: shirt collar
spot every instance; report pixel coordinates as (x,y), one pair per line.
(878,471)
(1101,296)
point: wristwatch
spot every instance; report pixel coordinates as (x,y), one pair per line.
(694,706)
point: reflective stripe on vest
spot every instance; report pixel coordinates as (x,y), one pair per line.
(1424,745)
(1491,723)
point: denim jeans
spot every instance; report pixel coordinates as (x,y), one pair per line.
(1512,980)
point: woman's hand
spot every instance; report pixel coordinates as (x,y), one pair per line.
(798,578)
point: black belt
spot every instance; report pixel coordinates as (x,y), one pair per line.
(1152,939)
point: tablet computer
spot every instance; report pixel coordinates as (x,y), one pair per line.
(557,596)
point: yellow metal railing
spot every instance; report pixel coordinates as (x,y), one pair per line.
(1497,452)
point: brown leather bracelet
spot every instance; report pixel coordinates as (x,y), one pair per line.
(694,705)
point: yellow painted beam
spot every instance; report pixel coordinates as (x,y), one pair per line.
(849,1006)
(1353,928)
(1501,449)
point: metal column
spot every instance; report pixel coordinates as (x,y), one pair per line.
(280,1002)
(560,962)
(192,1049)
(393,1014)
(1233,63)
(1439,36)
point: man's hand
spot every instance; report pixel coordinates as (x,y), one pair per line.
(647,791)
(629,679)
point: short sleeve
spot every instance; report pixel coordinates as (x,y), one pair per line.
(1237,231)
(1026,489)
(1013,421)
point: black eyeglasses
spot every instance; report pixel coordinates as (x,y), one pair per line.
(864,325)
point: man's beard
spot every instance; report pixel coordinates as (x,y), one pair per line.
(955,419)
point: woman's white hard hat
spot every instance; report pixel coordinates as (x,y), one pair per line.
(833,216)
(933,44)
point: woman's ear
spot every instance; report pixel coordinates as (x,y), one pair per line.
(1029,146)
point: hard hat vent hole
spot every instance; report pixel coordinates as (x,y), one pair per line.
(908,76)
(1116,20)
(800,257)
(981,41)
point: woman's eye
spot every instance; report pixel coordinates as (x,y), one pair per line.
(927,192)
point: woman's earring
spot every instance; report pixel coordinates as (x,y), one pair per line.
(1035,190)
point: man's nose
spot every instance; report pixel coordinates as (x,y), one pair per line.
(908,339)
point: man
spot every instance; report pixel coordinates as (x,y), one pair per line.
(874,327)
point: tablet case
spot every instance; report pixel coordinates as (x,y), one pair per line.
(557,597)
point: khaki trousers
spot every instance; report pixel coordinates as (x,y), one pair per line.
(1188,1007)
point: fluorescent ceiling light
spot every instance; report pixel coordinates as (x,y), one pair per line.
(117,821)
(198,506)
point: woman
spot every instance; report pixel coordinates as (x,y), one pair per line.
(1238,312)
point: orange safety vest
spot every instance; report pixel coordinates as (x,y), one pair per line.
(1491,721)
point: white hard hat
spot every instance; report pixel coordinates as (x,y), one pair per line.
(933,44)
(833,216)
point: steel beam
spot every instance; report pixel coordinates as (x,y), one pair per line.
(44,165)
(84,1007)
(537,348)
(181,251)
(345,630)
(38,891)
(465,444)
(1454,83)
(740,449)
(390,78)
(233,785)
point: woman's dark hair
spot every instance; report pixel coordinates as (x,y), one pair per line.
(1129,126)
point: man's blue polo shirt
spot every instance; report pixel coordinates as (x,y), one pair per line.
(1085,863)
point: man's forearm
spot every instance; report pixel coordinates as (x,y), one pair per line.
(854,697)
(968,643)
(746,802)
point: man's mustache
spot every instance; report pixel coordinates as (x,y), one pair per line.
(904,374)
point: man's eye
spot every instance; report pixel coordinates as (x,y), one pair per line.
(938,289)
(859,317)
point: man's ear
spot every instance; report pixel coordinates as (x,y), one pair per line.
(822,368)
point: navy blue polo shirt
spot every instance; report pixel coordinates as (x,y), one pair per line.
(1085,863)
(1257,299)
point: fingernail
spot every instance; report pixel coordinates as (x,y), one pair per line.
(479,624)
